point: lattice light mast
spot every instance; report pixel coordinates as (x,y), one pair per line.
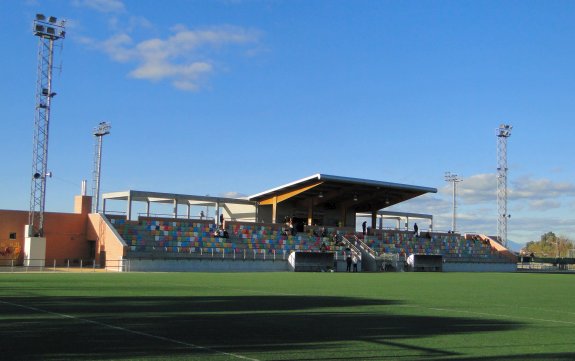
(99,132)
(454,179)
(503,132)
(48,30)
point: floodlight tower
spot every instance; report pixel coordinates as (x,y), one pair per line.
(453,178)
(48,30)
(99,132)
(503,132)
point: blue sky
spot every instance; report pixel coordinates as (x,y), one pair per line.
(236,97)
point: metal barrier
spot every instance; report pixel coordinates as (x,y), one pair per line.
(65,265)
(210,253)
(545,267)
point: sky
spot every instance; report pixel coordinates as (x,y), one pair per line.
(234,97)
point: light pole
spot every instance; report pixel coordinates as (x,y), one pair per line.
(99,132)
(503,132)
(48,30)
(454,179)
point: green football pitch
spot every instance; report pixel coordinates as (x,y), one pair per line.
(287,316)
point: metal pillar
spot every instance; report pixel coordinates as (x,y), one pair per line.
(503,132)
(99,132)
(48,30)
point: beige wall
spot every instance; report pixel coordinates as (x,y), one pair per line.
(239,212)
(65,233)
(13,222)
(68,235)
(110,248)
(82,204)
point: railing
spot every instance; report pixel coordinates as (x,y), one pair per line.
(178,216)
(62,265)
(545,267)
(119,213)
(359,245)
(352,245)
(148,252)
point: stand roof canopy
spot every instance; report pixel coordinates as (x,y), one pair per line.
(363,195)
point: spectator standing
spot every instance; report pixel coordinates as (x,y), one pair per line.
(364,227)
(348,261)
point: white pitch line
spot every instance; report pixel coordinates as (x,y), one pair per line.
(118,328)
(492,314)
(542,309)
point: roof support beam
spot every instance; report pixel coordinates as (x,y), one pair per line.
(310,212)
(274,208)
(282,197)
(129,205)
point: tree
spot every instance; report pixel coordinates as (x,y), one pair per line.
(549,245)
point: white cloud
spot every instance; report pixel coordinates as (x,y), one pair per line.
(183,58)
(233,195)
(526,187)
(543,204)
(103,6)
(118,47)
(479,188)
(482,188)
(477,206)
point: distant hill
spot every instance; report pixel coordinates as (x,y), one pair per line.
(514,246)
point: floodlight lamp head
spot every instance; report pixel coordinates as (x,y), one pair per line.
(452,177)
(102,129)
(49,28)
(504,130)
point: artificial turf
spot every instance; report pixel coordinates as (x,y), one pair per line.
(287,316)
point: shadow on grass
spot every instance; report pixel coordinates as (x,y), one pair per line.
(51,328)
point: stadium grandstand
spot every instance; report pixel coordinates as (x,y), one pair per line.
(307,225)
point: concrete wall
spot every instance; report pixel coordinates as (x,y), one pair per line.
(82,204)
(479,267)
(65,233)
(239,212)
(13,222)
(110,248)
(205,265)
(265,214)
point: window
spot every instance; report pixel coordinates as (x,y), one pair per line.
(12,235)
